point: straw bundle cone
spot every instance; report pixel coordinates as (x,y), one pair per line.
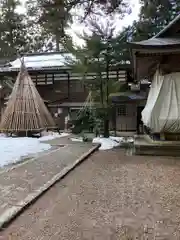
(25,110)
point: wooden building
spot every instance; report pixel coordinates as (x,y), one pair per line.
(128,106)
(163,49)
(61,88)
(159,52)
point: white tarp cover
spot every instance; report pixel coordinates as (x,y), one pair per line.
(162,110)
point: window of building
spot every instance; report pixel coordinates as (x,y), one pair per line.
(42,79)
(122,110)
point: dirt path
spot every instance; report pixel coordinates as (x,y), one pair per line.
(110,196)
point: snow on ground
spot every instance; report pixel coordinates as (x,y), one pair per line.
(111,142)
(80,139)
(13,149)
(108,143)
(53,135)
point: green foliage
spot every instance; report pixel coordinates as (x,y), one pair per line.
(51,17)
(109,6)
(85,121)
(19,33)
(120,50)
(54,16)
(13,35)
(43,27)
(100,54)
(154,16)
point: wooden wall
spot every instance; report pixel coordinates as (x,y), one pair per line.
(126,121)
(55,88)
(59,92)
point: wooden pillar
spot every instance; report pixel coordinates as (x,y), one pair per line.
(68,85)
(114,118)
(66,123)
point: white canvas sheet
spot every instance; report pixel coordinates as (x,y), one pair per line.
(162,110)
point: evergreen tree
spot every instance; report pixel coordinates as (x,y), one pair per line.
(12,28)
(154,16)
(120,49)
(99,55)
(54,16)
(108,7)
(37,40)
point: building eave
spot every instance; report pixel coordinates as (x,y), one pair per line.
(35,69)
(142,52)
(157,43)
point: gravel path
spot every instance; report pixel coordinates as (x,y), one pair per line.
(110,196)
(21,181)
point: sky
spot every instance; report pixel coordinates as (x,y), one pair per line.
(119,23)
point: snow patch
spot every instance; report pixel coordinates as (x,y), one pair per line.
(80,139)
(117,139)
(111,142)
(45,60)
(13,149)
(108,143)
(52,135)
(130,140)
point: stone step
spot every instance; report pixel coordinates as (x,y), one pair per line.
(144,145)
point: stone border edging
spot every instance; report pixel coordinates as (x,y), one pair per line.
(9,215)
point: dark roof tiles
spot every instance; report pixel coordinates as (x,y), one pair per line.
(158,42)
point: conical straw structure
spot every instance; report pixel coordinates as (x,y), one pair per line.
(25,110)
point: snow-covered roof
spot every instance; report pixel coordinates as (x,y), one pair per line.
(43,60)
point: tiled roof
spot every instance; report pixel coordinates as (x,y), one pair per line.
(161,39)
(158,42)
(127,96)
(43,60)
(164,42)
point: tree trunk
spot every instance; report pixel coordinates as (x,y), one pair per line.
(106,127)
(101,88)
(57,42)
(113,119)
(101,94)
(106,120)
